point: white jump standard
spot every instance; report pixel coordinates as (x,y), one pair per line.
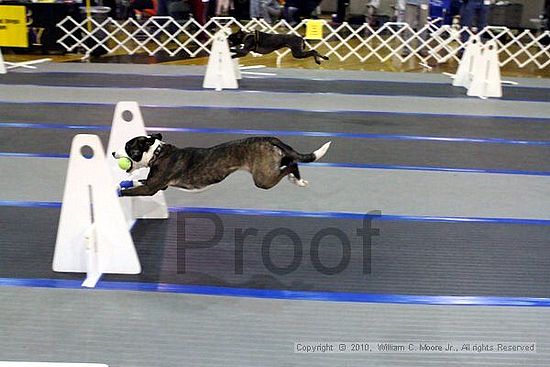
(222,72)
(94,228)
(479,70)
(93,235)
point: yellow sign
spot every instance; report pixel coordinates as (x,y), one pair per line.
(13,26)
(314,29)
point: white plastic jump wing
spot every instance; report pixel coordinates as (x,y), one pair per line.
(465,72)
(127,124)
(222,72)
(93,236)
(486,79)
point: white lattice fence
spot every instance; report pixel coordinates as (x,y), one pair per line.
(344,42)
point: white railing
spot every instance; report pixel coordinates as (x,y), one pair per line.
(396,41)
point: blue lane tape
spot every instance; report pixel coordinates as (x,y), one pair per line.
(428,168)
(341,165)
(290,91)
(359,216)
(396,137)
(271,109)
(40,125)
(284,294)
(308,214)
(33,155)
(31,204)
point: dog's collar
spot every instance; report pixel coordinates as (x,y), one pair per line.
(156,154)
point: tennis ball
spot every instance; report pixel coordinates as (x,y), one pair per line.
(124,163)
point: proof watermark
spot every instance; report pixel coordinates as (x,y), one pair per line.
(214,234)
(443,347)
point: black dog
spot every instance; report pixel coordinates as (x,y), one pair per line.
(263,43)
(194,169)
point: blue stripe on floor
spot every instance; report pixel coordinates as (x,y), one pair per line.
(359,216)
(31,204)
(33,155)
(338,165)
(427,168)
(284,294)
(309,214)
(240,108)
(199,89)
(286,133)
(40,125)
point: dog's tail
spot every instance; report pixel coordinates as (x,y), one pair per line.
(319,153)
(304,158)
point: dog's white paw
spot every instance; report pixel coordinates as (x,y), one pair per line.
(295,181)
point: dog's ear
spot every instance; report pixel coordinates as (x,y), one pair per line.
(157,136)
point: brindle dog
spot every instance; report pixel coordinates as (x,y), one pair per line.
(263,43)
(268,159)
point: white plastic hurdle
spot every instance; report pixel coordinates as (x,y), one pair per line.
(93,236)
(486,79)
(222,72)
(465,73)
(479,70)
(127,124)
(94,228)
